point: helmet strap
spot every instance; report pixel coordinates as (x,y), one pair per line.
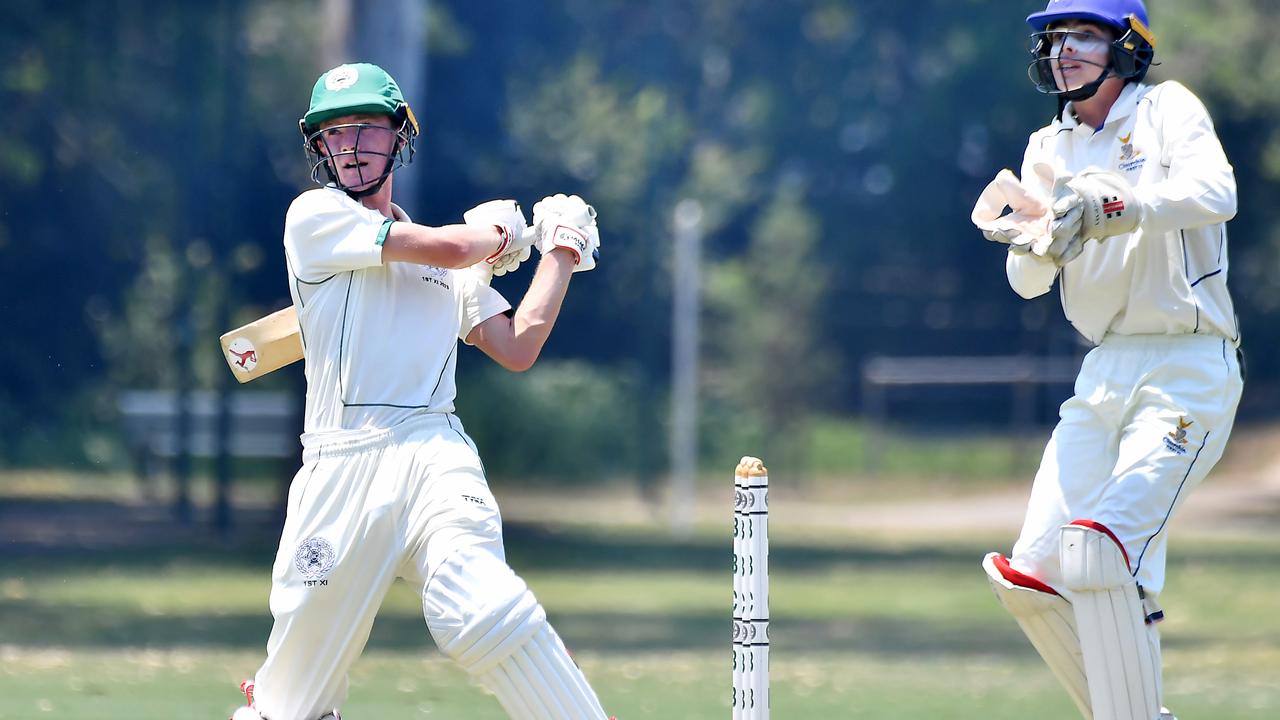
(374,188)
(1084,92)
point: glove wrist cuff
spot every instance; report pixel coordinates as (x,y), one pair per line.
(570,238)
(504,236)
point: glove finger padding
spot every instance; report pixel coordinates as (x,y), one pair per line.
(573,209)
(1026,226)
(1106,203)
(509,262)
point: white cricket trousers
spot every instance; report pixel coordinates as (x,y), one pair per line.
(363,510)
(1149,419)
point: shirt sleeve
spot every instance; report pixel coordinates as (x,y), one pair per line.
(478,302)
(326,233)
(1200,188)
(1031,275)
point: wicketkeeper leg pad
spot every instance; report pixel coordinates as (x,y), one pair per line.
(484,617)
(1121,656)
(1048,621)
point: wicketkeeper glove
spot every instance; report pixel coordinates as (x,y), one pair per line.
(568,222)
(1094,205)
(1026,227)
(507,217)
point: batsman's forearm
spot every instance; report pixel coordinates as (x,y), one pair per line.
(537,313)
(448,246)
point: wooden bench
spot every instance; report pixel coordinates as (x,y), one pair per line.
(1021,372)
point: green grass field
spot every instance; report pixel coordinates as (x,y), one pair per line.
(886,626)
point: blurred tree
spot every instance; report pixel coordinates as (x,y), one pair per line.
(1226,53)
(139,170)
(768,357)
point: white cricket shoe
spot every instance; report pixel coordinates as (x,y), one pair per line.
(1166,714)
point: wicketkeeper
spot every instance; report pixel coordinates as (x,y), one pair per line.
(1123,202)
(391,486)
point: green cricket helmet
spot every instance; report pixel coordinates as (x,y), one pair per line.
(357,89)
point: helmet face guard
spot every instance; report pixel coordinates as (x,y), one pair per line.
(1129,56)
(372,166)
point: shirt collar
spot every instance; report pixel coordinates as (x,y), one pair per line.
(1123,107)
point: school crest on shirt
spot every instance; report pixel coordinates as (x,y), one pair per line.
(1130,159)
(1176,440)
(314,558)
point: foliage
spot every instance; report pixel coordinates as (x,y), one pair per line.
(569,422)
(152,152)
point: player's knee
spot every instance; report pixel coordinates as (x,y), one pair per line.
(478,610)
(1093,558)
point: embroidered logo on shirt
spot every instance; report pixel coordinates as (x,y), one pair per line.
(1176,440)
(435,275)
(1130,159)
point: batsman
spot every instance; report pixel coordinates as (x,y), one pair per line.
(1122,202)
(391,485)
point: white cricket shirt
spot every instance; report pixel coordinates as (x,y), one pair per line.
(381,340)
(1169,276)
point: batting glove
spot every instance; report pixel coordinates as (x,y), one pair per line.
(568,222)
(507,217)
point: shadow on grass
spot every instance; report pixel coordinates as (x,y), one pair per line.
(60,535)
(33,624)
(66,539)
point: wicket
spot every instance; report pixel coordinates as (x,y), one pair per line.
(751,590)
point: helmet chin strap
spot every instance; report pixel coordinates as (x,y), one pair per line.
(1088,90)
(386,173)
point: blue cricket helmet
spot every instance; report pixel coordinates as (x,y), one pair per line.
(1110,12)
(1131,55)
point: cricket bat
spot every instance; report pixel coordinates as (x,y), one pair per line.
(264,345)
(269,343)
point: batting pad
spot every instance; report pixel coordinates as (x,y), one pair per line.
(484,617)
(1121,658)
(1048,621)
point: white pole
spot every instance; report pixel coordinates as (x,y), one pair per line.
(685,309)
(392,35)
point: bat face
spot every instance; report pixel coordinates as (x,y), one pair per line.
(264,345)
